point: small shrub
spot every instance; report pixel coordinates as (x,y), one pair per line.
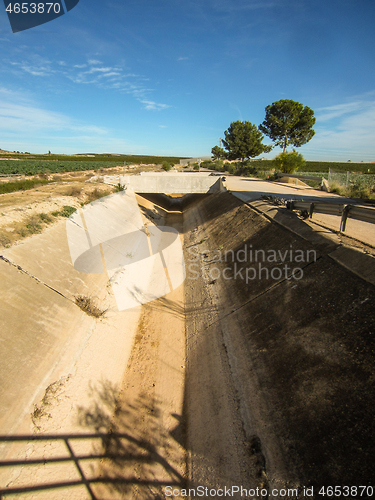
(358,190)
(289,162)
(207,164)
(267,175)
(230,168)
(45,218)
(120,187)
(245,168)
(66,211)
(218,165)
(11,187)
(166,166)
(21,232)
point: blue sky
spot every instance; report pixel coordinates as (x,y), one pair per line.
(168,76)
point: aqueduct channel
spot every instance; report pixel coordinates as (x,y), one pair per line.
(256,370)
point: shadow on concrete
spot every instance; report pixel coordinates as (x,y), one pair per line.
(173,203)
(168,306)
(131,453)
(308,343)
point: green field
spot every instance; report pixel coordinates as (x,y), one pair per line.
(322,167)
(34,164)
(24,185)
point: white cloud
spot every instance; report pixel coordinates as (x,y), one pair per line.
(345,131)
(20,115)
(98,70)
(330,112)
(112,73)
(34,69)
(151,105)
(94,72)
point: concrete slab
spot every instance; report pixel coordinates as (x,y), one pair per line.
(46,256)
(168,183)
(35,324)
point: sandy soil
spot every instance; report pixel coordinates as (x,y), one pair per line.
(22,213)
(29,212)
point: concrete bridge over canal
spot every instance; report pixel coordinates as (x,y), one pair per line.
(169,182)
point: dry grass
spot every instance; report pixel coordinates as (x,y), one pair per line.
(96,193)
(352,191)
(33,224)
(87,305)
(73,191)
(4,240)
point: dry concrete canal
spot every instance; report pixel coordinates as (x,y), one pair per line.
(163,347)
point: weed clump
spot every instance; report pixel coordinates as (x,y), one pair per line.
(87,305)
(33,224)
(96,194)
(65,212)
(45,218)
(73,191)
(120,187)
(4,240)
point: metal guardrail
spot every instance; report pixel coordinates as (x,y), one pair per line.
(364,214)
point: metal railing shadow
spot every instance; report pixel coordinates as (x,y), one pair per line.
(147,454)
(126,450)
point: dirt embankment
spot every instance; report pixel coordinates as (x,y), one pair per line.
(24,213)
(284,356)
